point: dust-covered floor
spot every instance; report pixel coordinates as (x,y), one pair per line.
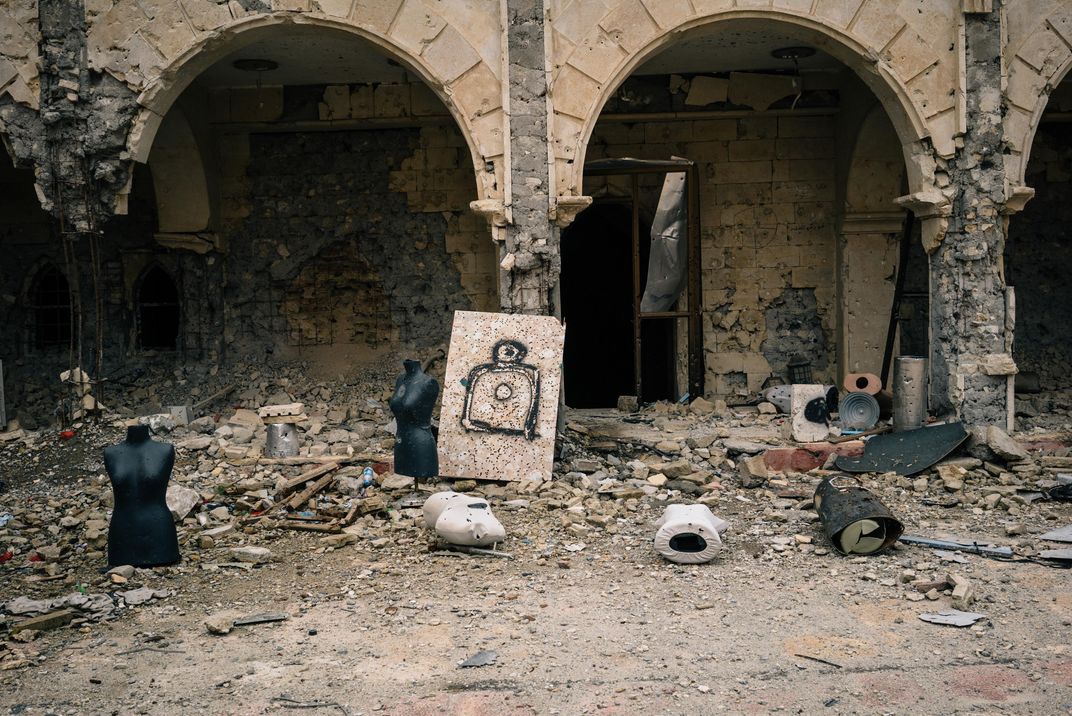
(585,618)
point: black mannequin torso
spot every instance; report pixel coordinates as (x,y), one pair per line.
(412,405)
(142,532)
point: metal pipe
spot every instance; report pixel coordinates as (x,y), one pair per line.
(909,392)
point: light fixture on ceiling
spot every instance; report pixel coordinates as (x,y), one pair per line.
(796,54)
(255,65)
(260,66)
(793,53)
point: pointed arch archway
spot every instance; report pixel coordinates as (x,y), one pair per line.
(49,299)
(158,310)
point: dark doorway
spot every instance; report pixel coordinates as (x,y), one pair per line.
(597,305)
(158,311)
(51,297)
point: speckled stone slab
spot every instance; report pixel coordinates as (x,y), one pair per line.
(500,396)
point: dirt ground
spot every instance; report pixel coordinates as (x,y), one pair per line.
(592,624)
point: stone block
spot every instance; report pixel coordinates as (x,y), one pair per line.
(669,13)
(714,129)
(630,25)
(910,54)
(450,55)
(802,429)
(837,12)
(361,104)
(476,94)
(597,56)
(574,92)
(415,25)
(706,90)
(743,172)
(336,103)
(391,100)
(751,150)
(760,91)
(376,14)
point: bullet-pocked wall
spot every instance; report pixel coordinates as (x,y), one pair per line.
(1038,256)
(338,211)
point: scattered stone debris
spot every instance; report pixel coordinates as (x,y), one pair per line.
(241,515)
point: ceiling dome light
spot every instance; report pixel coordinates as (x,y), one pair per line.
(792,53)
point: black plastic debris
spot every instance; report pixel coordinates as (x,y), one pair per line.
(908,452)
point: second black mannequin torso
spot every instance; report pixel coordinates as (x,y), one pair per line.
(412,405)
(142,532)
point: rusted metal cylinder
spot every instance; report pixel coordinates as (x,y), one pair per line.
(854,520)
(909,392)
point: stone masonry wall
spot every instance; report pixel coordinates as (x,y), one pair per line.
(327,246)
(767,189)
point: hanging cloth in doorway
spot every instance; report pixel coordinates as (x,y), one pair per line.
(669,247)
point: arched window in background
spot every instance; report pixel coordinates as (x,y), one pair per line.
(157,304)
(50,297)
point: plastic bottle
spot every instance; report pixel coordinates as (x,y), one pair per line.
(368,477)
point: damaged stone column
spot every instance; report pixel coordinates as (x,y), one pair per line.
(81,167)
(971,326)
(529,259)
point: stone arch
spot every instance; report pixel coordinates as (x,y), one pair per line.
(179,181)
(585,81)
(1038,56)
(867,250)
(446,62)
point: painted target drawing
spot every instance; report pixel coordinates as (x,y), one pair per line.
(503,396)
(500,397)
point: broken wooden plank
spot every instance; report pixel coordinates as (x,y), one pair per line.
(326,527)
(202,404)
(305,477)
(309,460)
(52,620)
(300,498)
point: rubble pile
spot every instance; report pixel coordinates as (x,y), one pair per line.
(615,473)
